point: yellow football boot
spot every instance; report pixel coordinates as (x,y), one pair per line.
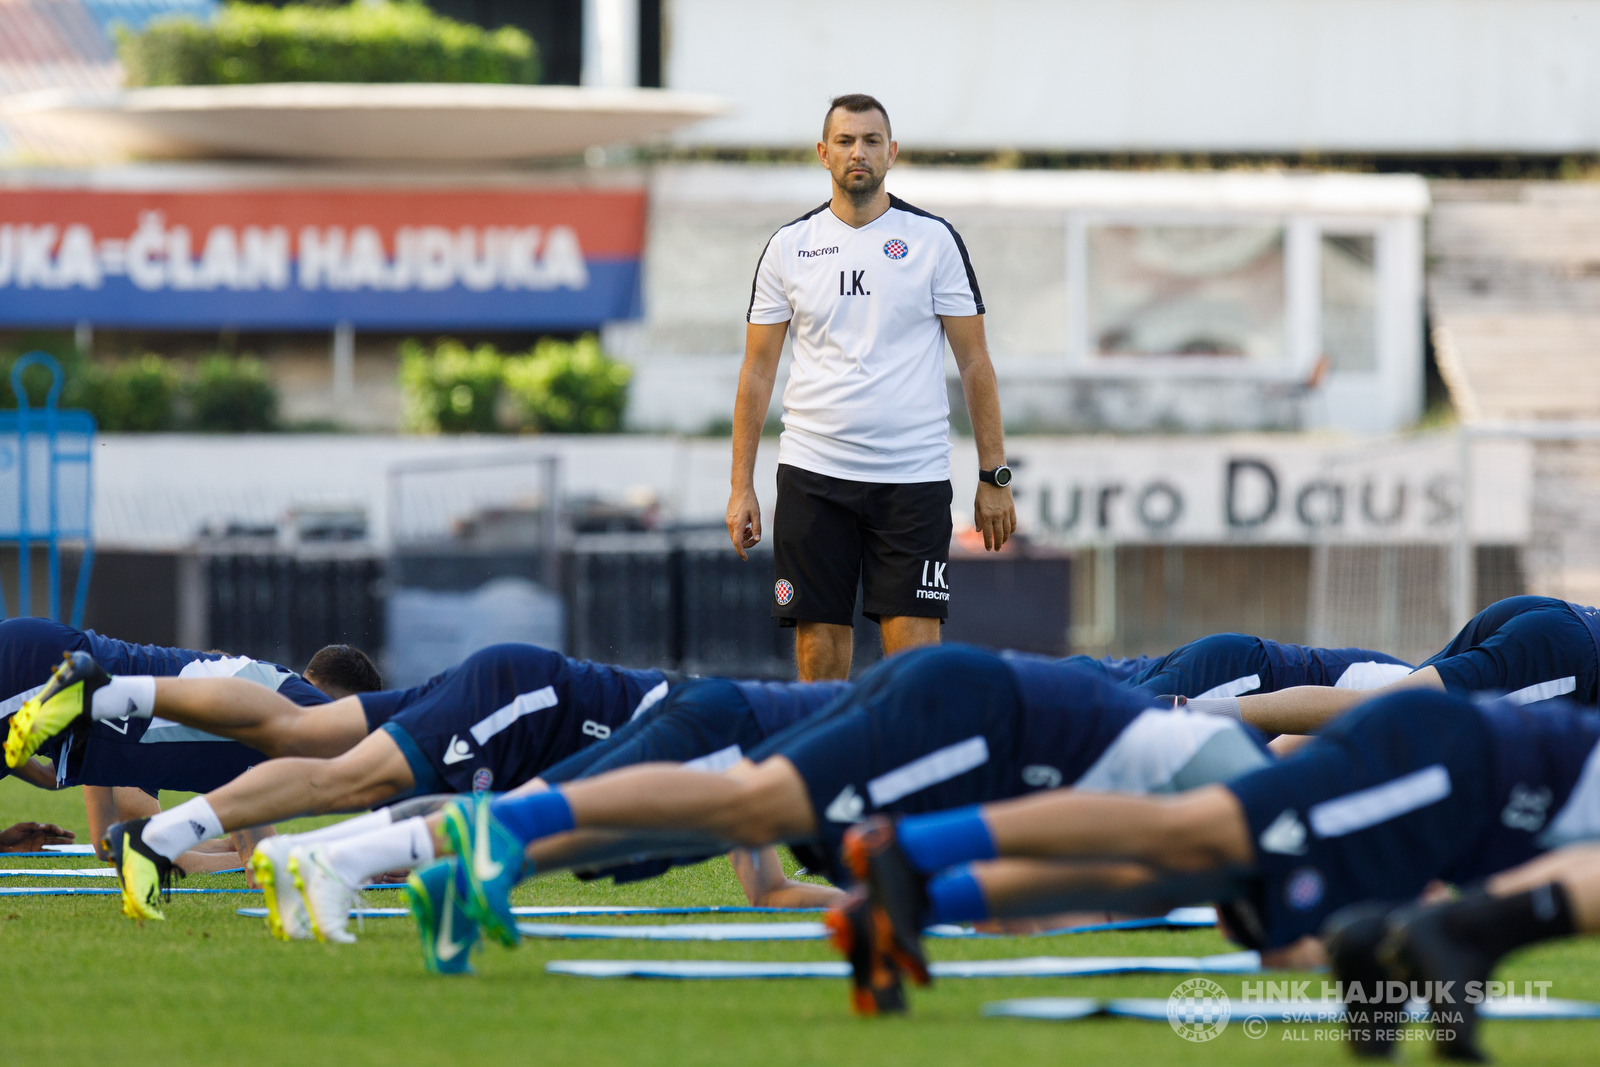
(62,704)
(145,874)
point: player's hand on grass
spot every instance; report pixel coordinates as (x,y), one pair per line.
(391,878)
(994,513)
(744,520)
(33,836)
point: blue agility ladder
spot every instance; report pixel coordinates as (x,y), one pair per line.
(46,488)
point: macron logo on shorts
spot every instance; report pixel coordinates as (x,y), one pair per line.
(456,751)
(1286,836)
(934,587)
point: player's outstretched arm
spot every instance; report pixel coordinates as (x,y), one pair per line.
(38,773)
(1305,709)
(765,885)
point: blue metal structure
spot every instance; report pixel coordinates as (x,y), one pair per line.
(46,487)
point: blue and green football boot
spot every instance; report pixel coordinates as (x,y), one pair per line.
(447,932)
(491,865)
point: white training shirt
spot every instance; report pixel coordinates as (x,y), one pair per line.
(866,397)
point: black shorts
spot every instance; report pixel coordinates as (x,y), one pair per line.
(829,534)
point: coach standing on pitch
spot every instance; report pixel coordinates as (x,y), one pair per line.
(874,287)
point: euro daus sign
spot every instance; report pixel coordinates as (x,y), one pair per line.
(1288,489)
(546,258)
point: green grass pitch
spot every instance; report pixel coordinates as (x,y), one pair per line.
(81,985)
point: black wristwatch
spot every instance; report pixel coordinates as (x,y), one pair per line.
(1000,476)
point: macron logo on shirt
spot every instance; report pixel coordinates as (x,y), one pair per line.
(813,253)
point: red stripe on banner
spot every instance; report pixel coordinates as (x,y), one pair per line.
(609,224)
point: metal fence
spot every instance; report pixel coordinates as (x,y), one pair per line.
(283,608)
(683,601)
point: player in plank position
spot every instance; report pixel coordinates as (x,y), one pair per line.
(503,714)
(1409,788)
(705,723)
(927,730)
(1451,948)
(1529,648)
(122,764)
(1230,665)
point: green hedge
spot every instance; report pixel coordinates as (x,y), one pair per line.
(569,387)
(151,394)
(387,42)
(131,396)
(559,387)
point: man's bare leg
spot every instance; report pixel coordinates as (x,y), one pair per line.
(901,632)
(822,650)
(1576,868)
(366,776)
(665,810)
(279,789)
(267,721)
(1196,830)
(1305,709)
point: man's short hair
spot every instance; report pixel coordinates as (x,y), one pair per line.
(343,670)
(856,103)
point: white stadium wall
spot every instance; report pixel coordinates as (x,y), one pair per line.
(1169,343)
(1363,76)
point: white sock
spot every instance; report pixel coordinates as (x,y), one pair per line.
(404,845)
(172,833)
(361,824)
(1227,707)
(124,695)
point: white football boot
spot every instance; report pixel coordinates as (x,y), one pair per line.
(286,909)
(328,898)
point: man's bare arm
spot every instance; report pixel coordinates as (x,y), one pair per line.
(765,885)
(763,347)
(1305,709)
(41,774)
(993,510)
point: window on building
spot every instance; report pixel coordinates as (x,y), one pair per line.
(1186,291)
(1349,301)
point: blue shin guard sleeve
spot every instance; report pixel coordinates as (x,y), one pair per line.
(934,842)
(534,815)
(956,897)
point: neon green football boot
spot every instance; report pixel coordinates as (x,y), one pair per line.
(62,704)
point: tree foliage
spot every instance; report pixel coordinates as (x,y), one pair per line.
(387,42)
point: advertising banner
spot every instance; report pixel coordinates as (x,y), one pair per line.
(305,258)
(1290,489)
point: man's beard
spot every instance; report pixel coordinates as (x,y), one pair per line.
(863,194)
